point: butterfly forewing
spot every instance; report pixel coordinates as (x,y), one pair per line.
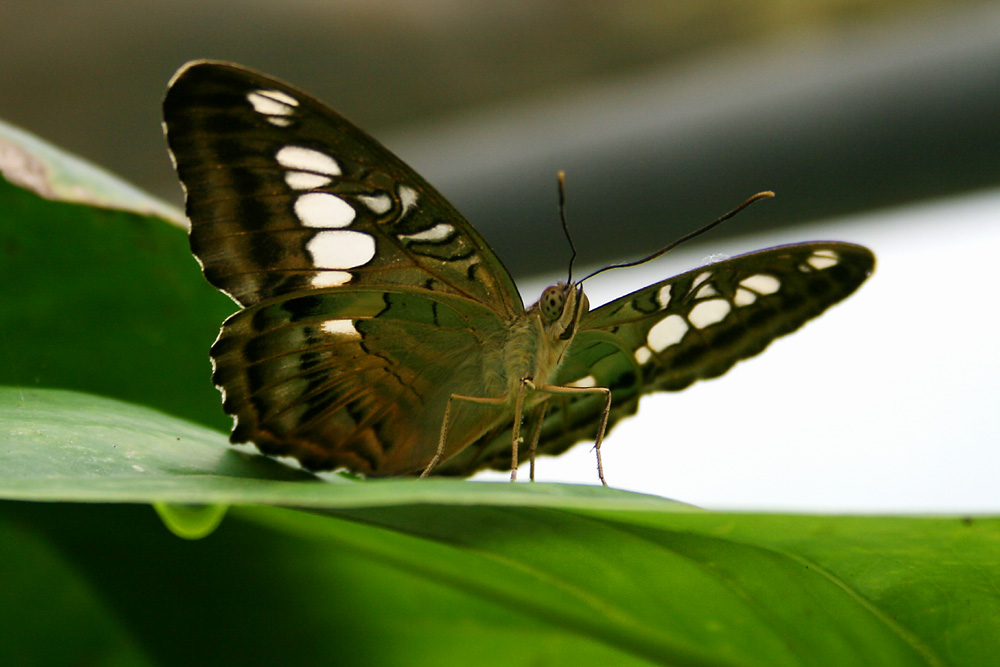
(347,378)
(698,324)
(285,195)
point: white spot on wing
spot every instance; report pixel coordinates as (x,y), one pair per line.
(702,277)
(643,354)
(341,249)
(584,382)
(304,180)
(307,159)
(323,210)
(407,197)
(663,297)
(278,96)
(439,232)
(377,204)
(272,102)
(823,259)
(744,297)
(281,96)
(668,331)
(706,291)
(331,279)
(276,107)
(343,328)
(761,283)
(709,312)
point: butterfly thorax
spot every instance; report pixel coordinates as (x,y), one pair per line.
(537,341)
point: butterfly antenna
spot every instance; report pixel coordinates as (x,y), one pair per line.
(767,194)
(561,177)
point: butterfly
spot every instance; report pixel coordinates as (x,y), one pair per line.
(378,332)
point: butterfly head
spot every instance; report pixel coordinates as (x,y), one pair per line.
(561,306)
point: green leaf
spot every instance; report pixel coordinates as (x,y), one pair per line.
(50,614)
(103,300)
(37,166)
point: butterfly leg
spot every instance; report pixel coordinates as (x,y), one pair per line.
(604,391)
(526,386)
(446,424)
(537,418)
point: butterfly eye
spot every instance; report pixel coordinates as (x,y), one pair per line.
(552,302)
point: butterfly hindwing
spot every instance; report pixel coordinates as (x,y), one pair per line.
(346,378)
(284,194)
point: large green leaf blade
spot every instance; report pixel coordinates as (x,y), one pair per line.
(50,613)
(664,592)
(572,588)
(100,298)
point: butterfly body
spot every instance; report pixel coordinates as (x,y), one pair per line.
(378,332)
